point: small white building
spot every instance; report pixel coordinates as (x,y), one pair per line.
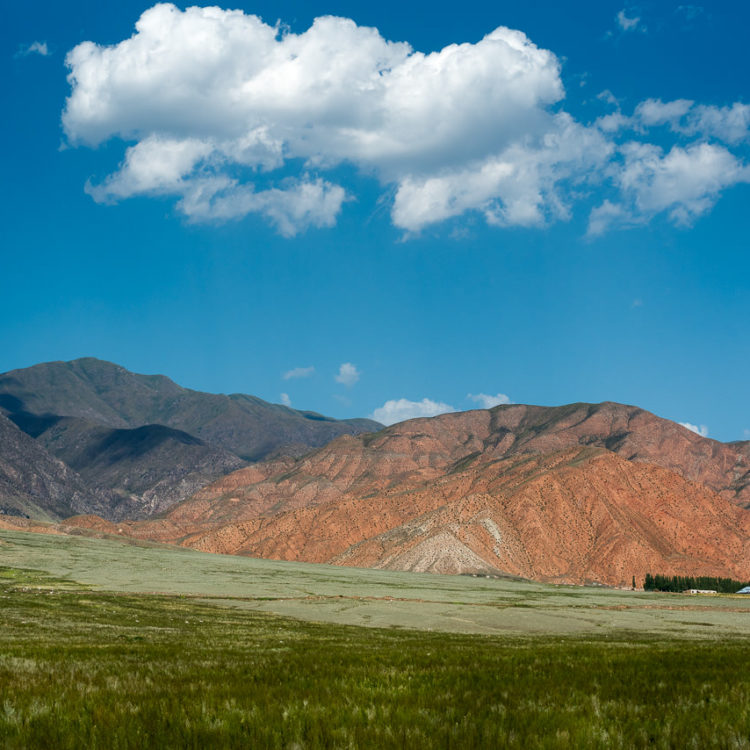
(699,591)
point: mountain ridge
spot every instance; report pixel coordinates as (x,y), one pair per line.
(574,493)
(111,395)
(142,442)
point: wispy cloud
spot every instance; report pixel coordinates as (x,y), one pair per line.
(35,48)
(690,12)
(701,430)
(298,372)
(608,97)
(348,375)
(628,23)
(398,410)
(729,124)
(486,401)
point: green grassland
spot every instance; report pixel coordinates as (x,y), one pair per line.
(351,596)
(91,656)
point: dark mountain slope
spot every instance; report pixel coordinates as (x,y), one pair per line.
(145,469)
(35,484)
(110,395)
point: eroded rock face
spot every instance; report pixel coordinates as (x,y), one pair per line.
(634,434)
(577,493)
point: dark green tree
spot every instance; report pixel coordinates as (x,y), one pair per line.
(683,583)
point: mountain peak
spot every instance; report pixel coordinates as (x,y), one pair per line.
(112,425)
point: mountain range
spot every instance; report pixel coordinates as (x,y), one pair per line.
(579,493)
(135,444)
(596,493)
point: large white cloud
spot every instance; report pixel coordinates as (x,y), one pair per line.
(229,116)
(398,410)
(205,91)
(518,186)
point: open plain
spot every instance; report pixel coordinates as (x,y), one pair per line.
(352,596)
(108,643)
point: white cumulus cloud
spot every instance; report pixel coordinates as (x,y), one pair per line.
(229,116)
(299,372)
(486,401)
(656,112)
(701,430)
(348,375)
(398,410)
(206,92)
(685,183)
(286,400)
(730,124)
(519,186)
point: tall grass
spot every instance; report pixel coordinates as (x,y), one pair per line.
(95,670)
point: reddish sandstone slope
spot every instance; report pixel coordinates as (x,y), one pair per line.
(577,493)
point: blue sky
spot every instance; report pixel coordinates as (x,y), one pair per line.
(554,217)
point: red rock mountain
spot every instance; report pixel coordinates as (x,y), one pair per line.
(585,492)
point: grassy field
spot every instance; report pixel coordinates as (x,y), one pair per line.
(351,596)
(86,663)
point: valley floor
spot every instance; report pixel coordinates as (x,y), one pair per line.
(90,658)
(357,596)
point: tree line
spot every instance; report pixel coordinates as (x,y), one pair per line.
(682,583)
